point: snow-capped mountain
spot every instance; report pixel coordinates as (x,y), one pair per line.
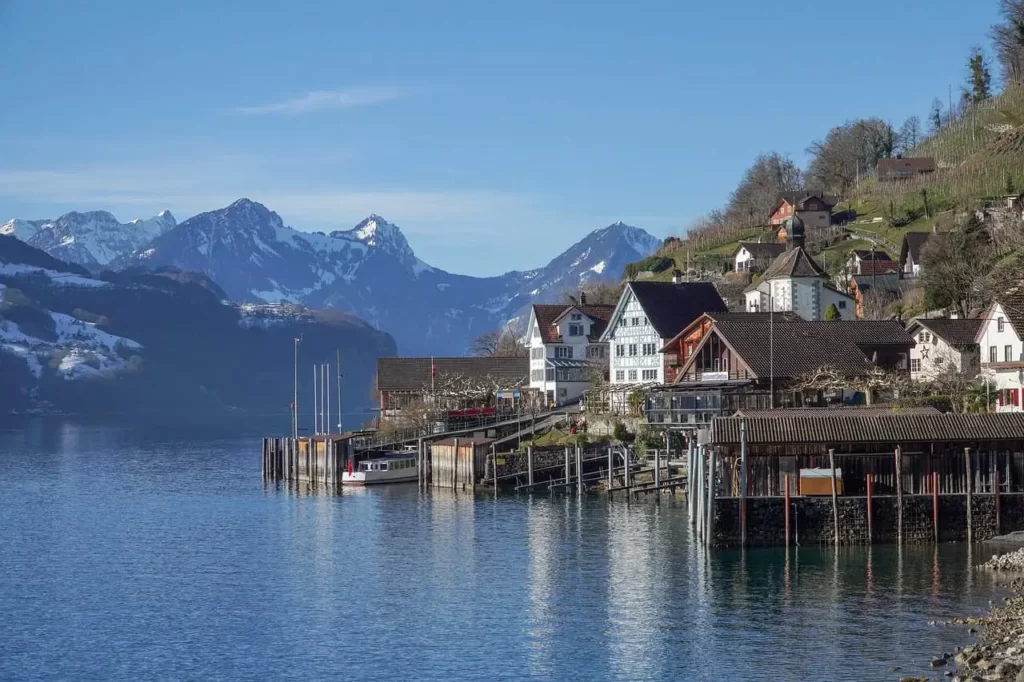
(372,272)
(92,239)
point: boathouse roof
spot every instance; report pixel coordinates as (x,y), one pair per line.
(837,411)
(893,429)
(414,374)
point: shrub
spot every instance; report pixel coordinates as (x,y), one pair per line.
(621,433)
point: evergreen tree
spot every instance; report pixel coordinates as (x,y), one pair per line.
(979,80)
(832,312)
(935,115)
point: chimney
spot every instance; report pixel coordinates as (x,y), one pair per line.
(677,277)
(583,298)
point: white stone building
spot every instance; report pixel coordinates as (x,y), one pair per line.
(756,256)
(1002,352)
(943,345)
(795,283)
(564,348)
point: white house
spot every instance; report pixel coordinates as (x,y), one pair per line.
(564,348)
(910,253)
(795,283)
(943,345)
(756,256)
(647,316)
(1002,353)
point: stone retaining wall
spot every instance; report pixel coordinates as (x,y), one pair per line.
(811,519)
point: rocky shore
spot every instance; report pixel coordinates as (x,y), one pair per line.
(999,653)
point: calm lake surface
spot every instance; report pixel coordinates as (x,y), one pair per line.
(130,553)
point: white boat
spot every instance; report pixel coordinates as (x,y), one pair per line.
(393,469)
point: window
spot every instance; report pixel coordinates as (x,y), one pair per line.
(537,353)
(620,375)
(1008,353)
(842,305)
(632,375)
(620,350)
(537,375)
(563,352)
(632,350)
(576,317)
(1000,324)
(596,351)
(650,375)
(650,349)
(549,374)
(636,321)
(575,330)
(993,354)
(645,320)
(915,365)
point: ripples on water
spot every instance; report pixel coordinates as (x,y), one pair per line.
(133,555)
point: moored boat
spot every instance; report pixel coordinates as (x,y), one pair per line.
(391,469)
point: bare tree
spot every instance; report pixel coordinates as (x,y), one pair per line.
(910,135)
(501,343)
(956,267)
(873,383)
(877,304)
(848,152)
(1008,38)
(755,196)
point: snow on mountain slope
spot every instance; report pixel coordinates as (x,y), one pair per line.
(372,272)
(91,239)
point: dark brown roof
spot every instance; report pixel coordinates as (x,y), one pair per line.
(912,244)
(906,167)
(761,249)
(889,429)
(877,267)
(957,333)
(413,374)
(888,282)
(762,318)
(802,347)
(547,314)
(1012,302)
(844,411)
(793,263)
(869,254)
(794,198)
(671,307)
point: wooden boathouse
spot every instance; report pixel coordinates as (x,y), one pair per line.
(911,477)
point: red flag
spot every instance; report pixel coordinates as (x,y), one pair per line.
(293,407)
(350,466)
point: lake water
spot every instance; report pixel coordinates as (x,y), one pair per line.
(130,554)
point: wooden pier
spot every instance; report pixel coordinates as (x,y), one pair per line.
(316,460)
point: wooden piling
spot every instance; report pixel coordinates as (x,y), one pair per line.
(899,495)
(935,504)
(691,470)
(869,484)
(579,471)
(835,495)
(743,483)
(967,483)
(711,495)
(472,466)
(529,466)
(611,469)
(995,491)
(567,472)
(657,473)
(785,502)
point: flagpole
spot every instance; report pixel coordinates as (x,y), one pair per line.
(771,344)
(341,419)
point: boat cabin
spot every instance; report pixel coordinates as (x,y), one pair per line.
(390,464)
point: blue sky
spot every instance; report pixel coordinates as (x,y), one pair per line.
(495,134)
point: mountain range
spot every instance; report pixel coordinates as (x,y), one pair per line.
(369,271)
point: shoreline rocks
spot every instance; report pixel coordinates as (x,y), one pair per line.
(1011,561)
(998,656)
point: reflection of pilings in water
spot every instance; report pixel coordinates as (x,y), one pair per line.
(936,574)
(870,574)
(543,548)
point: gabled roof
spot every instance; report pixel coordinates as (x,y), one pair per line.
(795,198)
(761,250)
(762,318)
(902,167)
(413,374)
(671,307)
(793,263)
(548,315)
(877,267)
(802,347)
(912,244)
(959,333)
(1012,302)
(871,254)
(843,411)
(887,282)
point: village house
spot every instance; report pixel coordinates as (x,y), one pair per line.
(814,209)
(742,365)
(910,253)
(756,256)
(448,383)
(565,352)
(1002,352)
(904,168)
(647,315)
(944,345)
(870,262)
(794,282)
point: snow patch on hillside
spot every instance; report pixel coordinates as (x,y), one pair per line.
(81,350)
(63,279)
